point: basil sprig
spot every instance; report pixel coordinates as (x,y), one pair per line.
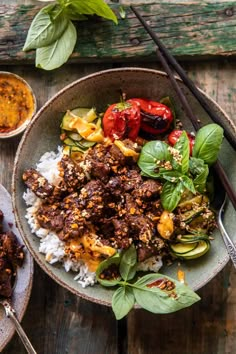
(176,168)
(53,34)
(154,292)
(207,143)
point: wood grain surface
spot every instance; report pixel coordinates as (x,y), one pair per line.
(191,29)
(58,322)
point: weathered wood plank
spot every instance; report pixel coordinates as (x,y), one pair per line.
(188,30)
(200,329)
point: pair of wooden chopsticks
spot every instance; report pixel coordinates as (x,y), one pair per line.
(166,60)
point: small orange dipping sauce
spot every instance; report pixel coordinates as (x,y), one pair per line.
(17,103)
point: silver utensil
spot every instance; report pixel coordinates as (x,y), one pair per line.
(231,248)
(10,312)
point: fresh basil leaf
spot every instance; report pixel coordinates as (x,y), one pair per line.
(93,7)
(128,263)
(208,142)
(72,14)
(171,176)
(171,195)
(188,183)
(149,295)
(182,146)
(106,264)
(122,301)
(43,31)
(152,156)
(196,166)
(200,172)
(56,54)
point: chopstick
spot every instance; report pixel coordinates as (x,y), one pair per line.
(165,57)
(187,81)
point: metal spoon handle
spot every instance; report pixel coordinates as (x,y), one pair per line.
(231,248)
(25,340)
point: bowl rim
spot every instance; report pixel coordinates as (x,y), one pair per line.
(54,277)
(23,126)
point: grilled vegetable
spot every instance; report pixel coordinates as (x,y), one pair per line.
(190,250)
(156,117)
(174,136)
(81,129)
(122,120)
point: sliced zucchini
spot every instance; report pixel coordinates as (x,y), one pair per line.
(190,215)
(74,136)
(202,248)
(69,142)
(77,149)
(188,204)
(181,249)
(85,144)
(192,238)
(184,251)
(66,120)
(88,114)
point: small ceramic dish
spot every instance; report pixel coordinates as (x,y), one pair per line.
(98,90)
(17,104)
(24,279)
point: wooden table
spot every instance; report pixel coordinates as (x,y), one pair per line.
(57,322)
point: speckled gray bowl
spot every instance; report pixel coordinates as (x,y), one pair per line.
(23,285)
(98,90)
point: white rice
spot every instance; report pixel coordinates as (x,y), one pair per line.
(50,244)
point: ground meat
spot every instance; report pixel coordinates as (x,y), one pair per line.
(116,156)
(131,206)
(153,249)
(38,184)
(131,180)
(100,170)
(114,186)
(72,174)
(50,217)
(148,190)
(6,278)
(74,224)
(142,228)
(121,228)
(113,199)
(11,256)
(93,198)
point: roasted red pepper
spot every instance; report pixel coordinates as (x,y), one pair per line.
(122,120)
(175,135)
(156,117)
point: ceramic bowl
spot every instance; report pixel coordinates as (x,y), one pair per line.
(98,90)
(18,102)
(23,284)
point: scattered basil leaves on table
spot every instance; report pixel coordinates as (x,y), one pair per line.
(53,34)
(175,166)
(58,52)
(150,291)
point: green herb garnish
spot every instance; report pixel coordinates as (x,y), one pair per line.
(176,168)
(53,34)
(154,292)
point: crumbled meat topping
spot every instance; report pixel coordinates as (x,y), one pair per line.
(11,256)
